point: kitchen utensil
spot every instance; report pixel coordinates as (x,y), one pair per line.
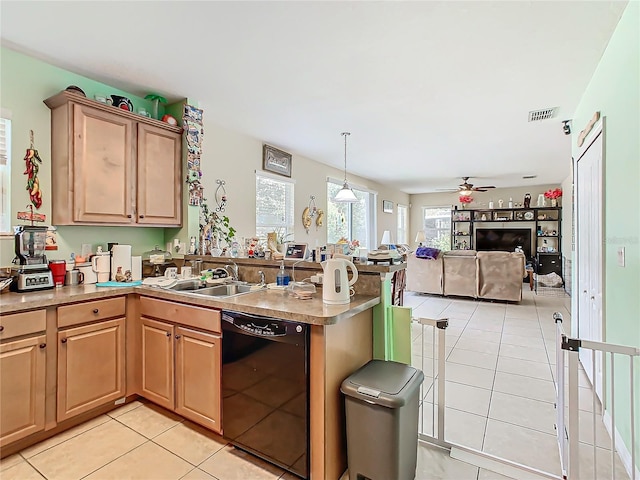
(336,283)
(58,269)
(89,274)
(73,277)
(100,264)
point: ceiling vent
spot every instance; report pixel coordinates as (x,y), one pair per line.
(543,114)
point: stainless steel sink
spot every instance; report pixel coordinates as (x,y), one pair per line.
(223,290)
(196,287)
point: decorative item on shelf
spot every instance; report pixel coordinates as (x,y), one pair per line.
(490,204)
(221,196)
(310,212)
(465,199)
(121,102)
(169,119)
(156,100)
(194,131)
(483,217)
(75,89)
(510,202)
(32,159)
(553,195)
(527,200)
(500,203)
(345,195)
(541,202)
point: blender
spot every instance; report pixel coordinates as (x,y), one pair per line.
(33,273)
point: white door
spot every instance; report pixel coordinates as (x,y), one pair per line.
(589,245)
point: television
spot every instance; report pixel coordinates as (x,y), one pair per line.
(504,239)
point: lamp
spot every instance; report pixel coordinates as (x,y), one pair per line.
(386,239)
(420,237)
(345,195)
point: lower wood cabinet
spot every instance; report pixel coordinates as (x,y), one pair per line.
(22,388)
(198,357)
(91,367)
(181,370)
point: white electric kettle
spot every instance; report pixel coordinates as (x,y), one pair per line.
(336,284)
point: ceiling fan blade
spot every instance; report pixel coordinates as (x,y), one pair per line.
(487,186)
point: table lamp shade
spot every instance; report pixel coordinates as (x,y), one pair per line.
(386,238)
(420,236)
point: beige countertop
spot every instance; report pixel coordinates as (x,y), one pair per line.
(272,303)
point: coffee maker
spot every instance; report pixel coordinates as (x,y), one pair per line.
(33,271)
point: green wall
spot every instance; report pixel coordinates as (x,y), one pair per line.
(614,90)
(25,83)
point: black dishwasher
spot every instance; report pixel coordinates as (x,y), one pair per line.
(265,388)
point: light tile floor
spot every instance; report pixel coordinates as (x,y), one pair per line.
(500,365)
(499,399)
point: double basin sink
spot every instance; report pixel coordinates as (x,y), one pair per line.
(196,287)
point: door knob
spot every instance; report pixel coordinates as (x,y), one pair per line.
(64,340)
(168,334)
(43,345)
(178,337)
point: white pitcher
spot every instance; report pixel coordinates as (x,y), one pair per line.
(336,286)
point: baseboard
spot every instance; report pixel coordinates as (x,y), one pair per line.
(621,447)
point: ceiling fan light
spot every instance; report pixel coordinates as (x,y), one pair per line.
(465,192)
(345,195)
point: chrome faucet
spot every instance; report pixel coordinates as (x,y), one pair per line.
(234,269)
(261,273)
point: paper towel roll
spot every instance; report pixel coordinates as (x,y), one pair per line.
(136,268)
(120,258)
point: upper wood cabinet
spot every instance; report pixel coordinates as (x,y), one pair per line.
(112,167)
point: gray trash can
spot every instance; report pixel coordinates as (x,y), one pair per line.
(381,401)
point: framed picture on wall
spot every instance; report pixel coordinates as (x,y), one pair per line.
(276,161)
(387,206)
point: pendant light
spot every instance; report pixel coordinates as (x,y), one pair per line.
(345,195)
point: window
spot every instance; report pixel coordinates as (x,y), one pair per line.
(437,227)
(403,220)
(274,206)
(353,221)
(5,174)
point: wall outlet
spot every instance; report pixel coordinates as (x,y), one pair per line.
(621,256)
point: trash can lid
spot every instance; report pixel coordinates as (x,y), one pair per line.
(383,382)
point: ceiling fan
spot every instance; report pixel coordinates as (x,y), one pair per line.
(466,188)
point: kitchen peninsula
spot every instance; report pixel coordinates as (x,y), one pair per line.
(38,328)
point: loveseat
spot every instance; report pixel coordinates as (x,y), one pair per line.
(467,273)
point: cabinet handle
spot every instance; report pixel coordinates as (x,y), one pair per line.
(1,328)
(95,310)
(129,216)
(64,340)
(168,334)
(178,337)
(141,216)
(43,345)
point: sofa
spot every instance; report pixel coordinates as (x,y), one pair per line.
(467,273)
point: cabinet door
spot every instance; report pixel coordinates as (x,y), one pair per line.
(22,388)
(91,367)
(159,198)
(102,166)
(157,362)
(198,357)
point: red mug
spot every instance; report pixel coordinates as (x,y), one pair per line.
(58,269)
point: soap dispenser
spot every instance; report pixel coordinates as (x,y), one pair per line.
(282,278)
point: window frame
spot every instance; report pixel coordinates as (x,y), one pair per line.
(442,242)
(402,224)
(286,228)
(372,197)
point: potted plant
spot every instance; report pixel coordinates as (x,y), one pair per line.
(214,228)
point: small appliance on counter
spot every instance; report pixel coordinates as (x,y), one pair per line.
(155,262)
(336,286)
(33,272)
